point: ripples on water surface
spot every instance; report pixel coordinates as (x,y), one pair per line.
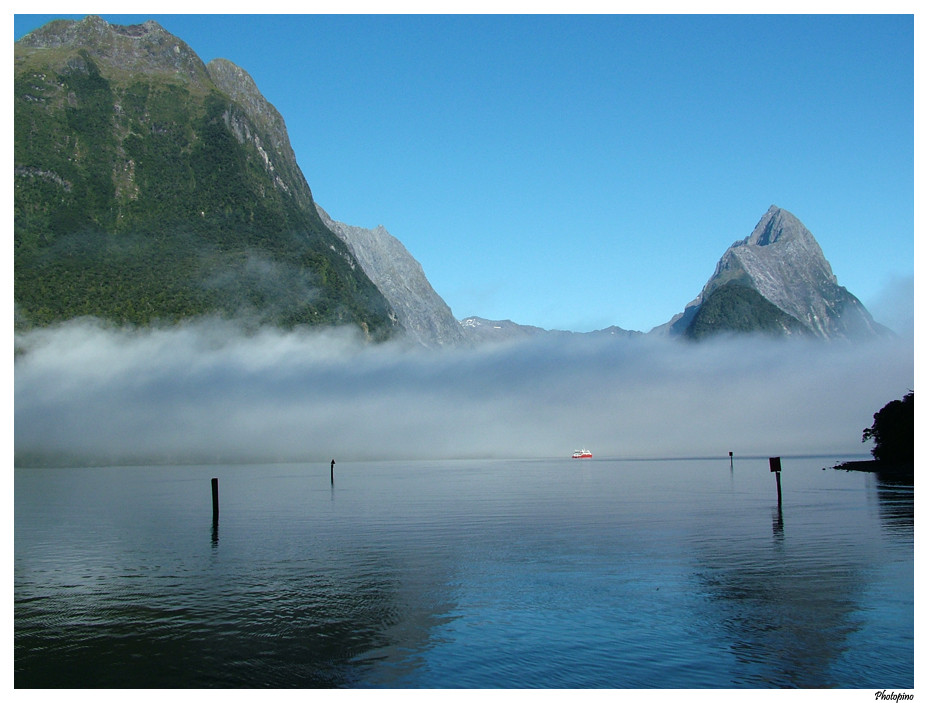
(558,574)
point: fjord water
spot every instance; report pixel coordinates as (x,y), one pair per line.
(555,573)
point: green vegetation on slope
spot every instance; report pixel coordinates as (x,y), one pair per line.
(734,307)
(144,198)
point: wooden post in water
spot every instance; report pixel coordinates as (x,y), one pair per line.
(332,472)
(215,483)
(731,460)
(775,468)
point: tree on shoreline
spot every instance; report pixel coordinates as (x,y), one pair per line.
(893,431)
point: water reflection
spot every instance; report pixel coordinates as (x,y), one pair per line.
(790,608)
(778,522)
(462,576)
(787,607)
(786,621)
(896,500)
(325,622)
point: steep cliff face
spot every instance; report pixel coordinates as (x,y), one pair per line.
(426,318)
(776,281)
(276,152)
(151,187)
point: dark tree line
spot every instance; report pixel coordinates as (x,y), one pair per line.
(893,431)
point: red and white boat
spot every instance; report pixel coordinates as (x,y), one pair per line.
(582,454)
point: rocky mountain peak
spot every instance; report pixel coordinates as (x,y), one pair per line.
(784,263)
(780,240)
(777,225)
(140,48)
(794,288)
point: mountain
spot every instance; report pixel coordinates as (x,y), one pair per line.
(776,281)
(151,187)
(426,318)
(480,330)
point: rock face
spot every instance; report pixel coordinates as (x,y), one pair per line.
(149,187)
(426,318)
(277,154)
(135,49)
(775,281)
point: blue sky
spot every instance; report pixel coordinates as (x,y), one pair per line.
(575,172)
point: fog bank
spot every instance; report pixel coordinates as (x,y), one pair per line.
(207,392)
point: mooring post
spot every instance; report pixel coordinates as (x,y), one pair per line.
(332,472)
(731,460)
(215,483)
(775,468)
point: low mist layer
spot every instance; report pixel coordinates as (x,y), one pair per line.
(208,392)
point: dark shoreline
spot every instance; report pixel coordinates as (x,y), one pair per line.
(889,470)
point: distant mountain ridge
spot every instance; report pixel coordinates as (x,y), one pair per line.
(480,330)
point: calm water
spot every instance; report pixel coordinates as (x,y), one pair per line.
(579,574)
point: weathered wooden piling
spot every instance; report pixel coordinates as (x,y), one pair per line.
(332,472)
(731,460)
(775,468)
(215,483)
